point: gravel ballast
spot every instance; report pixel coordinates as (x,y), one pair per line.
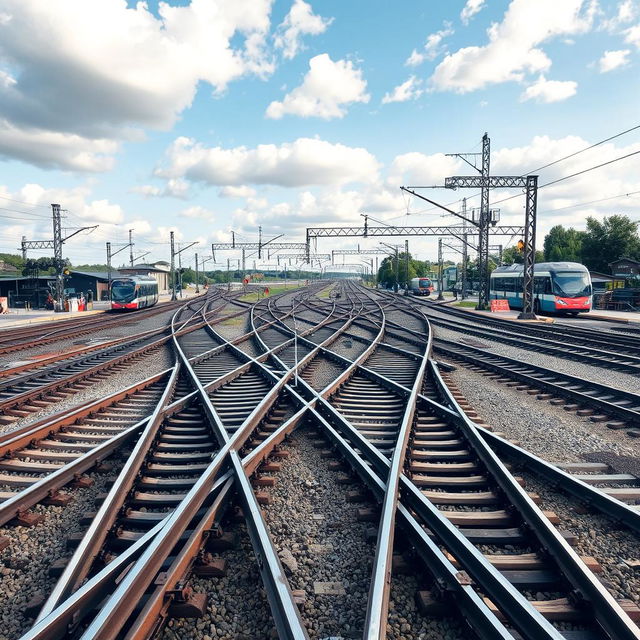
(142,368)
(543,429)
(623,381)
(24,565)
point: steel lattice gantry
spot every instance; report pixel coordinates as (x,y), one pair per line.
(530,184)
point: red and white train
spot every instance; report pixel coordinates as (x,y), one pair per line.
(135,292)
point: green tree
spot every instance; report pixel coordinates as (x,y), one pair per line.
(12,259)
(613,238)
(512,255)
(563,245)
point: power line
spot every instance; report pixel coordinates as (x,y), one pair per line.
(582,204)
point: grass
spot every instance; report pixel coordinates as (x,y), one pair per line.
(254,296)
(233,322)
(325,293)
(468,305)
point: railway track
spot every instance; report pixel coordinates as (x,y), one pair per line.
(16,339)
(358,370)
(613,352)
(600,403)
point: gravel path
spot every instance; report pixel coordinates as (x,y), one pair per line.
(543,429)
(623,381)
(24,565)
(144,367)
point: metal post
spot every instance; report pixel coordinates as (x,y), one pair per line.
(483,236)
(173,267)
(377,268)
(465,254)
(397,271)
(109,271)
(440,270)
(244,268)
(197,279)
(228,277)
(260,242)
(529,249)
(131,247)
(406,261)
(180,272)
(57,254)
(24,247)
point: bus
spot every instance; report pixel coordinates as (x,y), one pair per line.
(421,286)
(558,287)
(135,292)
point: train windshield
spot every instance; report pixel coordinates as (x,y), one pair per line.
(571,284)
(122,291)
(424,283)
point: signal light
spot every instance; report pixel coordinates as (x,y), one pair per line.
(520,245)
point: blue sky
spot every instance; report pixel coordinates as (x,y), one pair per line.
(207,116)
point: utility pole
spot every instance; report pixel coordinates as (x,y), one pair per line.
(406,261)
(243,260)
(440,270)
(173,267)
(465,253)
(180,272)
(131,247)
(197,282)
(57,253)
(24,247)
(483,237)
(109,271)
(260,242)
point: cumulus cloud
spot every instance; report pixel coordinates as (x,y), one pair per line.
(90,73)
(547,91)
(432,47)
(632,36)
(305,161)
(327,87)
(298,22)
(173,188)
(408,90)
(242,191)
(470,9)
(626,11)
(613,60)
(196,212)
(513,48)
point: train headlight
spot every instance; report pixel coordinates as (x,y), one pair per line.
(561,301)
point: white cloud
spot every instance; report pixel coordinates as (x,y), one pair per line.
(327,87)
(548,91)
(197,212)
(408,90)
(512,51)
(627,10)
(432,47)
(298,22)
(173,188)
(632,36)
(241,191)
(306,161)
(53,150)
(613,60)
(92,72)
(470,9)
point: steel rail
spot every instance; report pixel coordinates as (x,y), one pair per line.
(380,586)
(85,554)
(523,371)
(211,411)
(599,358)
(122,602)
(608,613)
(606,504)
(528,621)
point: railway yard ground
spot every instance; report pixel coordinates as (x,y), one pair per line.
(328,461)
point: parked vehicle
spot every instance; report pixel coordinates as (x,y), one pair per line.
(421,286)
